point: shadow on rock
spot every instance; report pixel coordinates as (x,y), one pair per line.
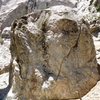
(98,68)
(4,92)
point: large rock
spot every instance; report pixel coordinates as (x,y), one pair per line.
(60,48)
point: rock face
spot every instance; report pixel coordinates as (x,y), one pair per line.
(43,4)
(12,9)
(6,33)
(5,56)
(96,39)
(60,48)
(89,11)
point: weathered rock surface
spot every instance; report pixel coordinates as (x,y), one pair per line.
(12,9)
(4,80)
(5,56)
(96,39)
(6,33)
(88,10)
(61,48)
(43,4)
(4,86)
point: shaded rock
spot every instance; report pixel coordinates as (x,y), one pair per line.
(4,88)
(4,91)
(59,46)
(0,3)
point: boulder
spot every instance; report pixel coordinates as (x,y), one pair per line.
(55,54)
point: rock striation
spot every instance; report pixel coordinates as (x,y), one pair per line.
(58,45)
